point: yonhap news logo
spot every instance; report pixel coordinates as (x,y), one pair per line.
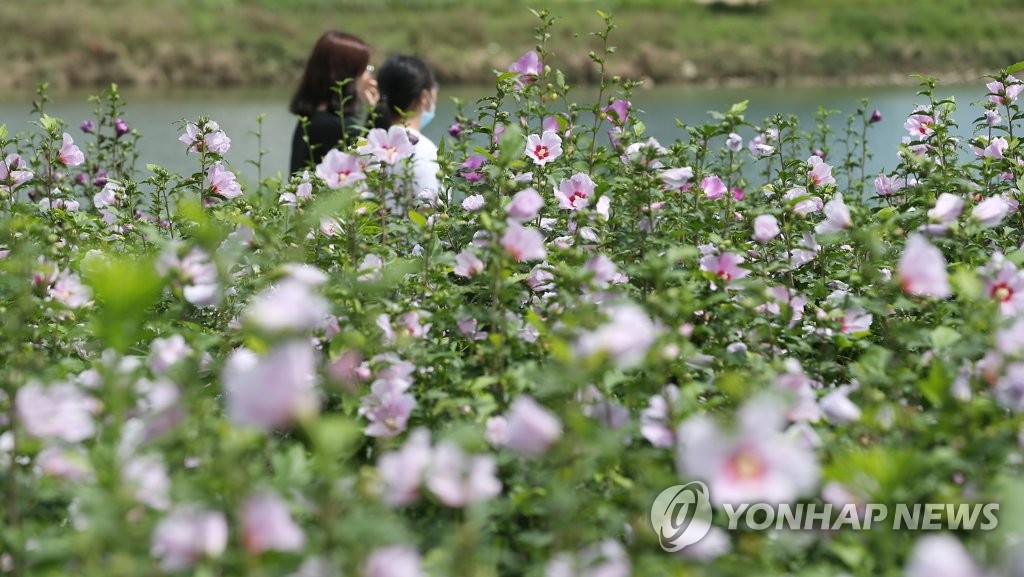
(682,515)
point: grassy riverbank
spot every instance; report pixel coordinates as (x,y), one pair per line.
(216,43)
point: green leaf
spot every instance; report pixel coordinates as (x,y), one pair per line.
(852,554)
(3,131)
(944,337)
(481,383)
(966,283)
(873,365)
(208,233)
(508,76)
(511,145)
(887,213)
(48,123)
(739,107)
(124,290)
(935,387)
(335,437)
(417,219)
(1015,68)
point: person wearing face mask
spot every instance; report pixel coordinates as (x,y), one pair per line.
(408,97)
(333,118)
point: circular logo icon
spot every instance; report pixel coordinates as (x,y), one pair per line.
(681,515)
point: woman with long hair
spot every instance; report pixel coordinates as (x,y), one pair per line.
(408,98)
(332,116)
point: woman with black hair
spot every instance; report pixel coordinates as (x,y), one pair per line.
(332,118)
(408,98)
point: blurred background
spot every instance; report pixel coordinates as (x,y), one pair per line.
(235,59)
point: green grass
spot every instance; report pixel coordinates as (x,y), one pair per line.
(162,43)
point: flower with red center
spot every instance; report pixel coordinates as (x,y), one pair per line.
(724,265)
(574,193)
(340,170)
(388,146)
(1004,282)
(756,463)
(745,465)
(544,148)
(919,126)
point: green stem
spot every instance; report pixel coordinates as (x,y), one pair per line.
(13,522)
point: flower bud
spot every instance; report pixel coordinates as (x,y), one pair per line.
(121,127)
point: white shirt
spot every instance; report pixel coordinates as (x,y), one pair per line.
(424,164)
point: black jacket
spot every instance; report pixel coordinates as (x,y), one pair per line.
(325,132)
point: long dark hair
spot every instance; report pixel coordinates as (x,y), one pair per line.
(337,56)
(401,80)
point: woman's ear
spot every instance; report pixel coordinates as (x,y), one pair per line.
(425,100)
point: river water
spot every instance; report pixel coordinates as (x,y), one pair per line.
(154,115)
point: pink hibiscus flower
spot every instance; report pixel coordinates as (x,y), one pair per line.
(922,269)
(713,187)
(574,193)
(70,154)
(222,181)
(388,146)
(919,126)
(524,244)
(820,173)
(528,67)
(544,148)
(340,170)
(725,265)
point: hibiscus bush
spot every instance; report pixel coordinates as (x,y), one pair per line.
(332,373)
